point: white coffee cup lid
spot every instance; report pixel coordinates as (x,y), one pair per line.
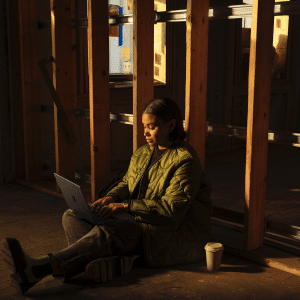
(212,246)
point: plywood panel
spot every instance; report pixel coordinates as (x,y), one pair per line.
(63,82)
(143,89)
(31,90)
(98,50)
(259,90)
(196,74)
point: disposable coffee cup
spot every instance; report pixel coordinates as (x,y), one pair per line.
(214,253)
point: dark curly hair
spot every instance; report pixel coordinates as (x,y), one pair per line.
(167,109)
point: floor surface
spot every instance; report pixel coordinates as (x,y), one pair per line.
(35,219)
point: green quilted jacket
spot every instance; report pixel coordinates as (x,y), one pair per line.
(173,204)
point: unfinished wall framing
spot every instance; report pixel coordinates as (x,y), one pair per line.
(67,86)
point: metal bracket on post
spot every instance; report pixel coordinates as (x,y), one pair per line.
(60,110)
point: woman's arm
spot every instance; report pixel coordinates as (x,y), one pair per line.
(175,203)
(120,191)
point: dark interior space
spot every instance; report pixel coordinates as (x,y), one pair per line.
(241,115)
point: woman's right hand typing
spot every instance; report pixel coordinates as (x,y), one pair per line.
(98,204)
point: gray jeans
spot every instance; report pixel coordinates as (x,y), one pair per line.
(87,242)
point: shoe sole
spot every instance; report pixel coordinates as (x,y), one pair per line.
(105,269)
(14,258)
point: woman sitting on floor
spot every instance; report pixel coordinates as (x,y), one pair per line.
(166,195)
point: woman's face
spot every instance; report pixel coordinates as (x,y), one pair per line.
(157,132)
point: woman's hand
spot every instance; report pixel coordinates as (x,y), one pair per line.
(97,205)
(112,208)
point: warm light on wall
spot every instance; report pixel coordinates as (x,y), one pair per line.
(160,44)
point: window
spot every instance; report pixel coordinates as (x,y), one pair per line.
(280,46)
(121,46)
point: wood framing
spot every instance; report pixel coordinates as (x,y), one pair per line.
(61,32)
(98,54)
(259,90)
(143,87)
(82,57)
(31,90)
(16,87)
(196,74)
(82,75)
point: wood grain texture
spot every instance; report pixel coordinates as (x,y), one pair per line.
(16,87)
(259,89)
(143,87)
(82,48)
(196,75)
(63,82)
(99,94)
(31,90)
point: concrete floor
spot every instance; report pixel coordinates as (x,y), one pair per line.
(35,219)
(236,279)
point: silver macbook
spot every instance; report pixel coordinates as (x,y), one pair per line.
(75,198)
(76,201)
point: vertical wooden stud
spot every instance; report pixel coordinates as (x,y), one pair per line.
(81,76)
(16,87)
(143,88)
(31,90)
(81,36)
(229,80)
(98,54)
(259,90)
(196,74)
(61,32)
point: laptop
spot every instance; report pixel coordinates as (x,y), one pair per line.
(74,198)
(76,201)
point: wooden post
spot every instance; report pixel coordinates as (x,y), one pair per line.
(82,57)
(196,75)
(63,82)
(31,90)
(16,87)
(82,76)
(143,88)
(259,90)
(98,54)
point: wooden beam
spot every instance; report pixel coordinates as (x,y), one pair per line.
(259,89)
(16,87)
(63,82)
(81,70)
(196,75)
(81,39)
(113,10)
(98,53)
(143,88)
(31,90)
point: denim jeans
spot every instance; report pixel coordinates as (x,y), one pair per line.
(87,242)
